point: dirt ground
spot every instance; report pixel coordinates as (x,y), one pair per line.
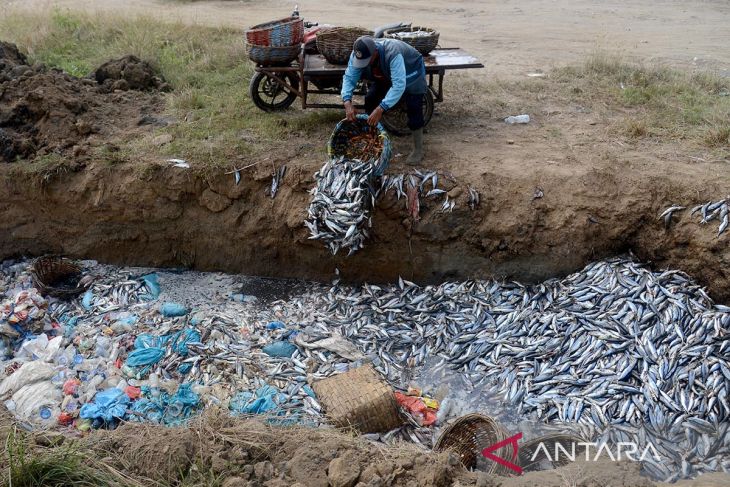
(511,37)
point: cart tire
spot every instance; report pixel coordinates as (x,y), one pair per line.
(395,121)
(269,95)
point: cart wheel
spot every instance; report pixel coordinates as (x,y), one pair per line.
(269,95)
(395,121)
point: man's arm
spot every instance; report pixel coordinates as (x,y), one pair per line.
(349,81)
(398,83)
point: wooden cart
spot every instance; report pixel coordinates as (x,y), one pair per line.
(276,87)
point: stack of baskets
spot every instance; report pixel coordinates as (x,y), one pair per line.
(423,39)
(275,43)
(336,44)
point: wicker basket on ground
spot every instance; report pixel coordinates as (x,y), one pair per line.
(358,140)
(336,44)
(423,39)
(468,436)
(359,399)
(273,56)
(58,277)
(278,33)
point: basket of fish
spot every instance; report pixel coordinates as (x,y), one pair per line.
(423,39)
(58,277)
(358,140)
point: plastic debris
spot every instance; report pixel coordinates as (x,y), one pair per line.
(108,405)
(517,119)
(279,349)
(173,309)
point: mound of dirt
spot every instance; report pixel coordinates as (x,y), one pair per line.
(44,111)
(127,73)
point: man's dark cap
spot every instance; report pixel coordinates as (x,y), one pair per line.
(364,48)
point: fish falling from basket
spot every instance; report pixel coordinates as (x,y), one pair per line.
(344,195)
(275,43)
(423,39)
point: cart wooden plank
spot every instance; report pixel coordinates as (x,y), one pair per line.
(438,61)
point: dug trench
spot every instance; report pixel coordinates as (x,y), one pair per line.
(175,217)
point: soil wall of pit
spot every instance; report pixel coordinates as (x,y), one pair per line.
(172,217)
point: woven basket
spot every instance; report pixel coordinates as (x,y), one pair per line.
(279,33)
(423,44)
(359,399)
(54,276)
(336,44)
(339,143)
(529,448)
(272,56)
(468,436)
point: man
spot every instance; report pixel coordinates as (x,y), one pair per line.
(395,70)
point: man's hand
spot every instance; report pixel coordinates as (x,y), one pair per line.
(349,111)
(375,117)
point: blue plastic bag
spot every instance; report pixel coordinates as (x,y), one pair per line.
(266,398)
(108,405)
(152,283)
(86,300)
(165,408)
(275,325)
(279,349)
(170,310)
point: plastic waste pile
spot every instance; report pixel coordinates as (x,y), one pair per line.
(121,352)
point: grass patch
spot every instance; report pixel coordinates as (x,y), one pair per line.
(657,101)
(59,466)
(207,68)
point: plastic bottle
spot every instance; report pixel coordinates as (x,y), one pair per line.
(103,346)
(154,385)
(517,119)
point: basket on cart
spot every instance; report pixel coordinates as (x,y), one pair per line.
(272,56)
(423,39)
(358,140)
(278,33)
(336,44)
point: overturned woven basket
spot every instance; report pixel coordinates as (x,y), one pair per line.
(346,141)
(279,33)
(59,277)
(424,42)
(336,44)
(468,436)
(359,399)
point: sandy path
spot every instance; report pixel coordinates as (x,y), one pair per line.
(512,37)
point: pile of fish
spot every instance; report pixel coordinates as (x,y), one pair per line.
(411,34)
(339,213)
(707,212)
(616,348)
(614,352)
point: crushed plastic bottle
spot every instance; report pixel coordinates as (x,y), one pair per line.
(517,119)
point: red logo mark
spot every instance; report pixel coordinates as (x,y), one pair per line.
(512,440)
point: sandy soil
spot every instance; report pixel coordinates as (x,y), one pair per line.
(511,37)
